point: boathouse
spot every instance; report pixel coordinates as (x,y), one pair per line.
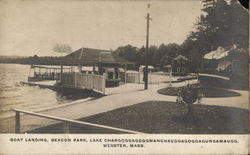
(97,63)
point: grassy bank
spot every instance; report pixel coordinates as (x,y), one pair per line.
(208,92)
(165,117)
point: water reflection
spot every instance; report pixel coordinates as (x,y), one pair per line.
(15,95)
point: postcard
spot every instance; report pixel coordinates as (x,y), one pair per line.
(124,77)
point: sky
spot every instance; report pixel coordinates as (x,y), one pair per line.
(29,27)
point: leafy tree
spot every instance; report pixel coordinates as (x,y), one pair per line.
(152,55)
(128,52)
(168,52)
(156,56)
(142,55)
(239,24)
(221,24)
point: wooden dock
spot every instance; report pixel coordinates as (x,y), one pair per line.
(52,85)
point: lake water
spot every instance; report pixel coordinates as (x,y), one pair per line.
(15,95)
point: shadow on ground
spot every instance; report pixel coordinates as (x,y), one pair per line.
(165,117)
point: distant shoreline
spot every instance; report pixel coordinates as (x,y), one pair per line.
(43,60)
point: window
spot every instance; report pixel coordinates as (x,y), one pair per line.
(110,75)
(183,69)
(116,75)
(178,69)
(183,62)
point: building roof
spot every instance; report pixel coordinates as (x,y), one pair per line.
(87,54)
(217,54)
(90,55)
(181,57)
(149,67)
(167,66)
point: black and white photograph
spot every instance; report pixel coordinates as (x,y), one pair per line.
(129,67)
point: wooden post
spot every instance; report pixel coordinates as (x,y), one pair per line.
(139,77)
(146,52)
(103,83)
(75,80)
(93,81)
(125,74)
(61,73)
(65,127)
(94,69)
(170,84)
(18,129)
(113,74)
(80,68)
(150,76)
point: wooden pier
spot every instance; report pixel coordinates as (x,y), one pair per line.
(73,82)
(82,81)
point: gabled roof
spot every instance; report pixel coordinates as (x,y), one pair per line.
(181,57)
(95,56)
(88,54)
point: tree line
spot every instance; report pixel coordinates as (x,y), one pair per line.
(221,24)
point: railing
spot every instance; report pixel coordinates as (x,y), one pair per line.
(81,80)
(91,81)
(67,122)
(67,79)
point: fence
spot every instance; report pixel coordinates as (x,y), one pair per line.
(133,77)
(66,123)
(83,81)
(155,77)
(137,77)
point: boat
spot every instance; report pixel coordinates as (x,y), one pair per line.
(43,73)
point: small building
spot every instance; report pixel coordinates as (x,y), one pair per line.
(180,65)
(150,68)
(212,60)
(231,62)
(101,61)
(167,68)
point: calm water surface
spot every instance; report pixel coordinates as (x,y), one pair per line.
(15,95)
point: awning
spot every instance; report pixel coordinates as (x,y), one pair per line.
(149,67)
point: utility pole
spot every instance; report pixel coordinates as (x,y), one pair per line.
(146,55)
